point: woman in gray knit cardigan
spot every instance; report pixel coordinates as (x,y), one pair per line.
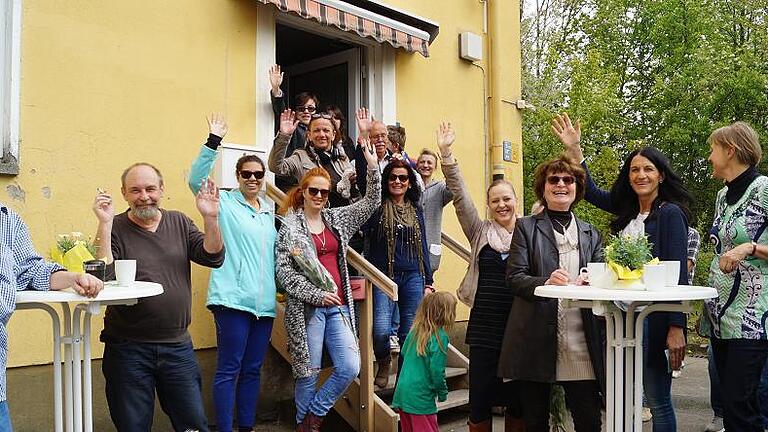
(484,289)
(312,268)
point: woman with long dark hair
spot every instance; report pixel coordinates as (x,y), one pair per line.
(648,198)
(396,244)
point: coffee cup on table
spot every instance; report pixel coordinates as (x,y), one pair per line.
(595,272)
(125,272)
(673,272)
(654,276)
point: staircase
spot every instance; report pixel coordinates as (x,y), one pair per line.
(362,407)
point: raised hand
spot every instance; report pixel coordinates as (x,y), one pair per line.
(103,207)
(275,78)
(369,151)
(364,121)
(569,134)
(217,125)
(207,200)
(445,138)
(288,122)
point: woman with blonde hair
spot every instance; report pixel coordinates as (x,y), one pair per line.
(425,351)
(483,288)
(738,271)
(312,268)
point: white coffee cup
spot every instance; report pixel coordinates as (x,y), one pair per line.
(654,276)
(595,273)
(673,272)
(125,272)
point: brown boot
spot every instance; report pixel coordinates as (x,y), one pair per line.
(313,422)
(382,373)
(513,424)
(484,426)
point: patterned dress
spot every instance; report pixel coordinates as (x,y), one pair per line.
(741,308)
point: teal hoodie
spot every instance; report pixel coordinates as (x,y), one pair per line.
(246,281)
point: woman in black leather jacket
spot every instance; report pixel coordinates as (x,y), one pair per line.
(545,342)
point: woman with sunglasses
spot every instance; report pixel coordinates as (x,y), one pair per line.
(312,268)
(322,150)
(241,293)
(304,105)
(484,289)
(648,198)
(396,243)
(545,341)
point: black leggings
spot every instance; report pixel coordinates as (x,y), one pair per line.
(486,389)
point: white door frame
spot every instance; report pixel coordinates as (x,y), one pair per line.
(377,74)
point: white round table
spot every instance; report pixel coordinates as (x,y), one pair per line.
(74,404)
(624,334)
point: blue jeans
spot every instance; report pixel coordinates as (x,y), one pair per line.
(5,418)
(410,292)
(714,385)
(329,326)
(242,339)
(134,371)
(657,385)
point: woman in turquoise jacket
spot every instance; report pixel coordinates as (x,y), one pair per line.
(241,293)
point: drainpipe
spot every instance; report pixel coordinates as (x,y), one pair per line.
(493,18)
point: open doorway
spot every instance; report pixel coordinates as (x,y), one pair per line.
(329,68)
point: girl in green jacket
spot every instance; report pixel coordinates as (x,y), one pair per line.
(424,354)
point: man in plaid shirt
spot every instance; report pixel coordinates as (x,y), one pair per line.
(22,268)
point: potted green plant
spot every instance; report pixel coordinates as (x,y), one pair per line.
(626,256)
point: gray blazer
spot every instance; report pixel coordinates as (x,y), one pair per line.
(529,350)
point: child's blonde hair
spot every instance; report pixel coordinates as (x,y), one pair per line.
(437,310)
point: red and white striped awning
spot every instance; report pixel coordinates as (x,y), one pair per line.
(364,22)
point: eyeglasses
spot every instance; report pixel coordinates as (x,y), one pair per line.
(314,191)
(306,108)
(245,174)
(322,116)
(379,137)
(555,180)
(402,177)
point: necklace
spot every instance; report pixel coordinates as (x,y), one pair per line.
(564,226)
(321,239)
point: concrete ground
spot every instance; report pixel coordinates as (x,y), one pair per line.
(30,401)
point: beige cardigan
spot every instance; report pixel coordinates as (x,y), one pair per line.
(475,229)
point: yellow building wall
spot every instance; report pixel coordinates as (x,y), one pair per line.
(105,84)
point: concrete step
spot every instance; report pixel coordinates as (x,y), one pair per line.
(450,372)
(456,398)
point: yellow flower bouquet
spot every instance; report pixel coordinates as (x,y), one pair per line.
(72,249)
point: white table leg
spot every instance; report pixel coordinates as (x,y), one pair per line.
(67,342)
(618,365)
(632,346)
(77,381)
(609,373)
(93,309)
(58,418)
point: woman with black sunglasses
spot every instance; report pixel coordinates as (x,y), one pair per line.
(241,293)
(322,150)
(396,243)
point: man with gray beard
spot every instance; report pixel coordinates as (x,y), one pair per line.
(147,347)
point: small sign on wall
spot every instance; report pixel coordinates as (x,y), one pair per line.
(507,148)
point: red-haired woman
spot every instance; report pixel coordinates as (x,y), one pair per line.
(312,268)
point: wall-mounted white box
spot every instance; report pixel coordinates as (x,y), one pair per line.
(470,46)
(223,173)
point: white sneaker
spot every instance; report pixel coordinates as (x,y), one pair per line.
(646,415)
(716,425)
(679,372)
(394,346)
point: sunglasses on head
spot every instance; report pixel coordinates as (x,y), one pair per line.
(313,191)
(554,179)
(402,177)
(245,174)
(322,116)
(306,108)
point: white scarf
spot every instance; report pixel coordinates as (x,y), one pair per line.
(499,238)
